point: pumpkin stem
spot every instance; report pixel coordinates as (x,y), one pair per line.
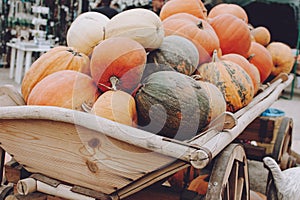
(196,77)
(86,108)
(75,53)
(250,57)
(215,56)
(114,81)
(200,24)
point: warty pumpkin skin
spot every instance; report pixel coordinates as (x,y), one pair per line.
(141,25)
(117,106)
(57,59)
(176,53)
(231,79)
(233,33)
(282,56)
(167,103)
(119,57)
(65,88)
(229,8)
(86,31)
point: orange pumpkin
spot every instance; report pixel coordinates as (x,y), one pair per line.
(233,33)
(261,58)
(117,106)
(57,59)
(196,30)
(228,8)
(282,56)
(119,57)
(261,35)
(247,66)
(193,7)
(231,79)
(65,88)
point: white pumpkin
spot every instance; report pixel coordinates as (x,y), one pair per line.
(139,24)
(86,31)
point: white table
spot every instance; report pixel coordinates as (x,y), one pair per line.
(20,50)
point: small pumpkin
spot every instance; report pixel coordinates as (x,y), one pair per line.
(247,66)
(65,88)
(231,79)
(282,56)
(176,53)
(261,58)
(141,25)
(233,33)
(118,57)
(229,8)
(193,7)
(58,58)
(86,31)
(261,35)
(117,106)
(167,103)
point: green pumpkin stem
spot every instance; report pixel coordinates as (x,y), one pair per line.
(114,81)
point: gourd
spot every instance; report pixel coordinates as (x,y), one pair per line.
(141,25)
(86,31)
(65,88)
(57,59)
(121,58)
(231,79)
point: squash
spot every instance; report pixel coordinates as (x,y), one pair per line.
(193,7)
(176,53)
(167,103)
(117,106)
(121,58)
(66,88)
(58,58)
(247,66)
(261,58)
(228,8)
(86,31)
(261,35)
(141,25)
(282,57)
(231,79)
(197,30)
(233,33)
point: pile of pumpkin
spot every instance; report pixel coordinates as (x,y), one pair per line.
(171,75)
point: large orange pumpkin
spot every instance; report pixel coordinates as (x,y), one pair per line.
(119,57)
(65,88)
(228,8)
(231,79)
(282,56)
(58,58)
(117,106)
(196,30)
(193,7)
(247,66)
(261,58)
(233,33)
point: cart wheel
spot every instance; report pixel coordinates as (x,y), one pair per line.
(282,147)
(229,177)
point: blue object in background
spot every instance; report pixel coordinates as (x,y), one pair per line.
(273,112)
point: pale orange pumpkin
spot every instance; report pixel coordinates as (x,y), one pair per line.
(228,8)
(282,56)
(66,88)
(261,35)
(193,7)
(57,59)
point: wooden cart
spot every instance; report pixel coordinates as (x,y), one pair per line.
(89,157)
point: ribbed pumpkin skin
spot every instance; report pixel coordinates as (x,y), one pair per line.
(117,106)
(176,53)
(233,33)
(141,25)
(121,57)
(233,81)
(228,8)
(167,103)
(66,88)
(57,59)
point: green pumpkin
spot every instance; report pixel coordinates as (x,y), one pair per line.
(172,104)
